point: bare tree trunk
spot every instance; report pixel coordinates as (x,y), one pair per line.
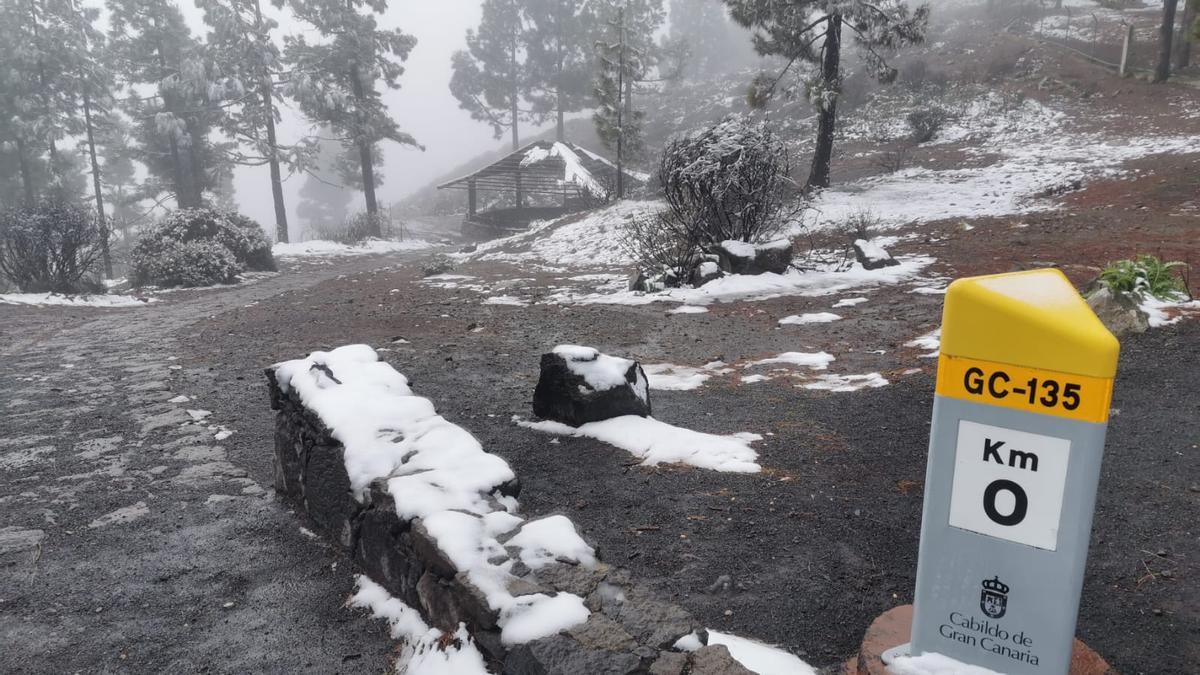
(1187,28)
(268,96)
(827,114)
(621,105)
(366,162)
(26,174)
(1165,32)
(281,223)
(100,218)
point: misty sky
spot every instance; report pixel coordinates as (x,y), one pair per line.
(423,107)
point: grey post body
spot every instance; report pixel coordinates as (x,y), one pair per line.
(1043,585)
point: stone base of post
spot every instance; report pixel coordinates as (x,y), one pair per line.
(894,626)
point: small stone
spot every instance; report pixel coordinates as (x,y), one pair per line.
(228,605)
(1157,611)
(729,612)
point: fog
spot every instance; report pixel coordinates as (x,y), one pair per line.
(423,106)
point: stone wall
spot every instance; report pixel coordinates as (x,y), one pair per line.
(630,630)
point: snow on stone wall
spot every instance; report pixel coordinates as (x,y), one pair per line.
(432,520)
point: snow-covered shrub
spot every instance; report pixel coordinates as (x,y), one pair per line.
(50,246)
(925,123)
(187,264)
(725,182)
(199,247)
(1146,275)
(437,264)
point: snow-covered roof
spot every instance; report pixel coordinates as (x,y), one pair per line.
(546,167)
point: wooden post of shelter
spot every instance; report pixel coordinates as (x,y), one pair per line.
(1125,49)
(471,199)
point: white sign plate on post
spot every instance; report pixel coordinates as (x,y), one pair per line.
(1009,484)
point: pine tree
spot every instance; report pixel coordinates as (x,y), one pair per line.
(618,124)
(153,48)
(560,37)
(35,97)
(491,78)
(1166,33)
(335,80)
(240,44)
(811,32)
(644,59)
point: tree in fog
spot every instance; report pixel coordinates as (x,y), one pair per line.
(645,59)
(810,32)
(1189,27)
(154,50)
(618,125)
(716,44)
(240,45)
(561,58)
(1166,34)
(323,198)
(627,53)
(36,103)
(335,80)
(491,77)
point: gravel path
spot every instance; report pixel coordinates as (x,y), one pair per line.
(133,539)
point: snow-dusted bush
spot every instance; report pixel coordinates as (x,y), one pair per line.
(50,246)
(437,264)
(925,123)
(729,181)
(187,264)
(199,247)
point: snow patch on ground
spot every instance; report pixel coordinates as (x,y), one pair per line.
(319,248)
(760,658)
(670,377)
(816,317)
(769,285)
(656,442)
(1165,312)
(58,299)
(1029,165)
(814,360)
(688,309)
(849,302)
(843,383)
(588,240)
(930,341)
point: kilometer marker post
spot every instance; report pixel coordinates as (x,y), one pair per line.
(1020,413)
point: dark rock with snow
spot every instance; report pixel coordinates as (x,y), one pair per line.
(562,655)
(578,385)
(1119,312)
(705,272)
(716,660)
(739,257)
(872,256)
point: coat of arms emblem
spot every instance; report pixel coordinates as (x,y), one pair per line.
(993,599)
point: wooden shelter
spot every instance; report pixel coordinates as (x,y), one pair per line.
(546,179)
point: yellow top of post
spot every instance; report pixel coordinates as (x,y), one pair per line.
(1034,319)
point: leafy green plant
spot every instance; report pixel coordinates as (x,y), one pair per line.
(1145,275)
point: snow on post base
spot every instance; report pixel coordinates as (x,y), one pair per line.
(431,519)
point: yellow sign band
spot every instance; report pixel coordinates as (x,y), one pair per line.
(1076,397)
